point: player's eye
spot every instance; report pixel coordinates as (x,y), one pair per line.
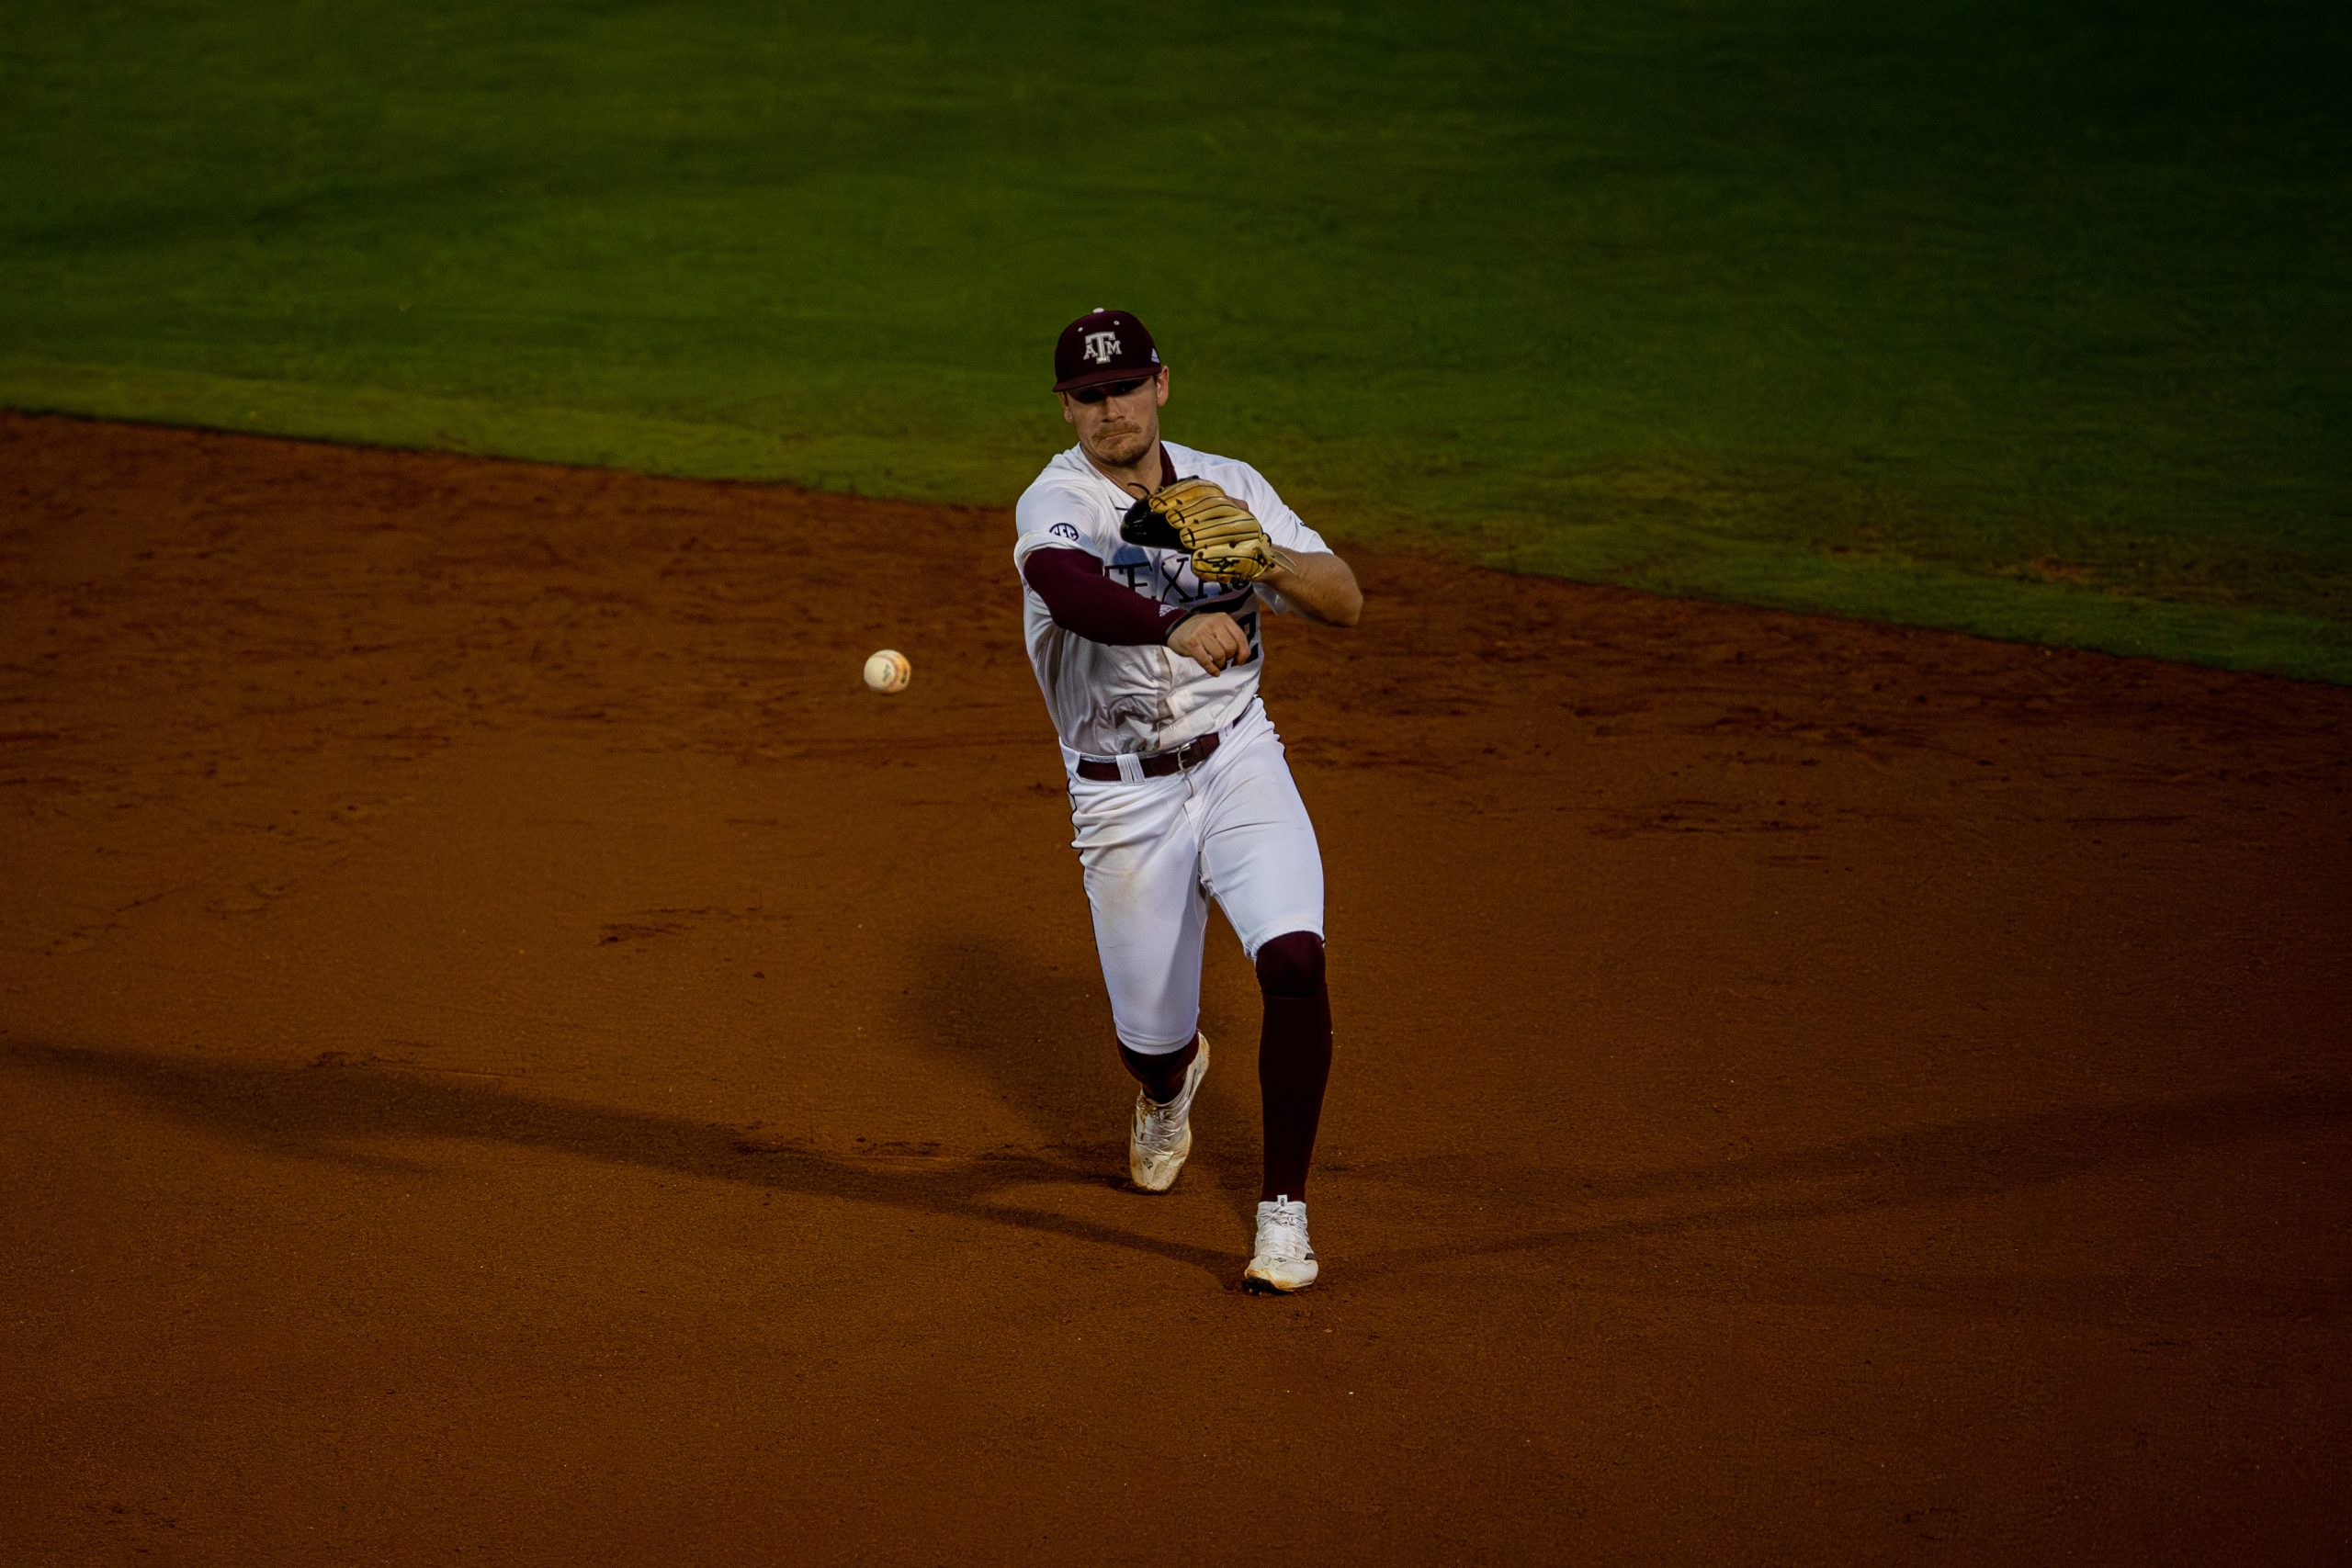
(1108,390)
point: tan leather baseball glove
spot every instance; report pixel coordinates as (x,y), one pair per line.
(1228,544)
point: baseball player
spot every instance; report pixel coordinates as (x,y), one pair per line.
(1146,565)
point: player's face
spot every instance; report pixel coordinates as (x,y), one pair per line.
(1123,426)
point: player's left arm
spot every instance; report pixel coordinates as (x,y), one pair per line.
(1306,577)
(1317,584)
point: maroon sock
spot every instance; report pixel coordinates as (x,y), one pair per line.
(1162,1075)
(1294,1057)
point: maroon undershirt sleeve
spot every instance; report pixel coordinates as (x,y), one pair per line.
(1082,599)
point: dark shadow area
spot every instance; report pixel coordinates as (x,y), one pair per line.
(331,1109)
(1910,1168)
(1042,1038)
(322,1110)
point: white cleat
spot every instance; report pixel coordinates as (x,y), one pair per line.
(1285,1259)
(1161,1135)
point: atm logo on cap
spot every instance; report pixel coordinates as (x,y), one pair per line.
(1101,347)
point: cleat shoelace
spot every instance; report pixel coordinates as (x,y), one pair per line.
(1285,1234)
(1164,1121)
(1162,1126)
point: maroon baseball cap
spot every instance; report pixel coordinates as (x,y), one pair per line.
(1103,345)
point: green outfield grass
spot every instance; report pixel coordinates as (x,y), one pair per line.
(2030,318)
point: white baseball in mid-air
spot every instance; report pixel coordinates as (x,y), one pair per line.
(888,671)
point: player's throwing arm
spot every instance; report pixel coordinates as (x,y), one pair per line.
(1145,567)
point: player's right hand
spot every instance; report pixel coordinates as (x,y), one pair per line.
(1215,638)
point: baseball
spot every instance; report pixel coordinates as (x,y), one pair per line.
(888,671)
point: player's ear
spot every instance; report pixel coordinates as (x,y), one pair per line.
(1161,395)
(1069,414)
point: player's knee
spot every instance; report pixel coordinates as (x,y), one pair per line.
(1290,965)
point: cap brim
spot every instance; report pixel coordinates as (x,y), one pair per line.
(1096,378)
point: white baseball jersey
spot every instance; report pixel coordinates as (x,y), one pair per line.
(1110,701)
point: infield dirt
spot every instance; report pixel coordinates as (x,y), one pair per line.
(512,1053)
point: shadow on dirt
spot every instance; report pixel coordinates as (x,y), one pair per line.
(1042,1039)
(331,1109)
(1912,1168)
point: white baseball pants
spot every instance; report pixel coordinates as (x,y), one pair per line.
(1156,851)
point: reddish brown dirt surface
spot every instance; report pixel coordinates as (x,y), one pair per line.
(512,1054)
